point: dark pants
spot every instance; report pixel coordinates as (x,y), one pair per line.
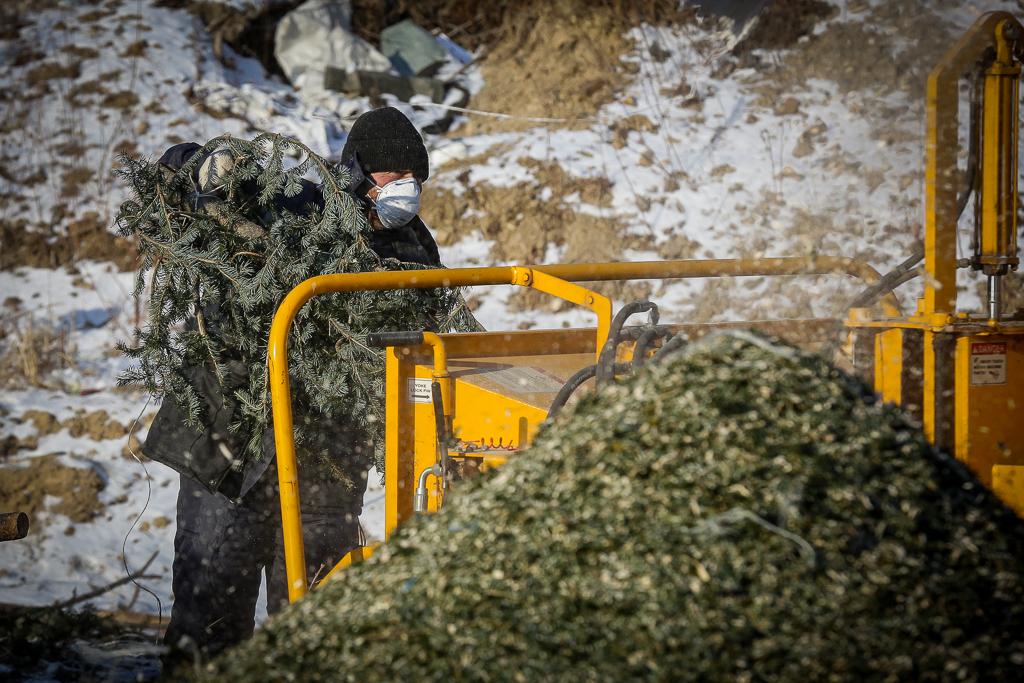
(221,550)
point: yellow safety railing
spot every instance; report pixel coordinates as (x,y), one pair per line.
(553,279)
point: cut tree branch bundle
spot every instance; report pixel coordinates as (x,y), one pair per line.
(220,265)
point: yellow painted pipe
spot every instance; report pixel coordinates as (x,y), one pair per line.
(280,390)
(440,373)
(559,287)
(688,269)
(277,353)
(354,556)
(435,342)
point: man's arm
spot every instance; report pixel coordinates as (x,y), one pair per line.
(177,156)
(309,198)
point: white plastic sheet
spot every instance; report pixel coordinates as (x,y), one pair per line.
(316,35)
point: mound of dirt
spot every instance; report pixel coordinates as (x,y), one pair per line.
(521,219)
(782,23)
(11,444)
(560,60)
(882,50)
(524,220)
(86,239)
(24,487)
(739,512)
(44,421)
(557,62)
(96,425)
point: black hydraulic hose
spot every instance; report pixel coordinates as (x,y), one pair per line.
(567,390)
(439,420)
(677,342)
(890,280)
(973,155)
(606,361)
(643,343)
(575,382)
(380,340)
(631,333)
(905,277)
(905,272)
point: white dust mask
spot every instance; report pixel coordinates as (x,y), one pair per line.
(398,202)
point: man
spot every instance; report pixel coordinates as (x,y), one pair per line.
(228,529)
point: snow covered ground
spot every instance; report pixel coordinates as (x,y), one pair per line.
(697,161)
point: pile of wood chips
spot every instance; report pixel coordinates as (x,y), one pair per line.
(740,512)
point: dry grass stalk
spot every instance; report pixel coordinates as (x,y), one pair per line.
(33,352)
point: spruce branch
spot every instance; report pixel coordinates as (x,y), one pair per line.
(218,268)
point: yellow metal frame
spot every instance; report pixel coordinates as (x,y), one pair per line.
(553,279)
(941,145)
(496,412)
(354,557)
(563,289)
(889,364)
(410,437)
(975,420)
(1008,484)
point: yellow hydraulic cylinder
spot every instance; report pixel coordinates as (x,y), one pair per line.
(942,181)
(998,191)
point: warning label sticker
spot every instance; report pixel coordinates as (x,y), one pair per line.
(419,390)
(988,363)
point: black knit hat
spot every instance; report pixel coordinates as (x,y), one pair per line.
(386,140)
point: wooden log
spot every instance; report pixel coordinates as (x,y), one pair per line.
(13,525)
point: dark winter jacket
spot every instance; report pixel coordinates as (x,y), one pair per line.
(212,455)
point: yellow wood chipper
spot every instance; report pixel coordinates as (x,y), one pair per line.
(456,403)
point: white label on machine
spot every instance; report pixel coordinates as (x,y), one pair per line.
(988,363)
(419,390)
